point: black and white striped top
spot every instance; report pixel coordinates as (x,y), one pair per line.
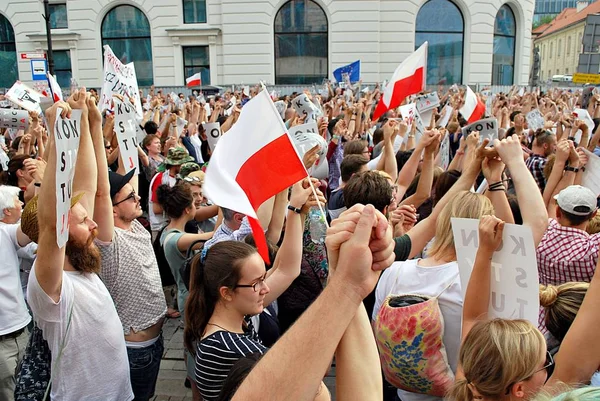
(215,356)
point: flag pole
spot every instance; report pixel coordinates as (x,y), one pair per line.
(314,191)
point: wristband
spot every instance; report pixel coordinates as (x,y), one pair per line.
(294,209)
(573,169)
(37,184)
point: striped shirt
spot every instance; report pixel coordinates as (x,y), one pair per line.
(216,355)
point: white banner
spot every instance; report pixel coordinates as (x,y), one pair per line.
(213,134)
(427,102)
(488,128)
(12,118)
(125,123)
(119,79)
(25,97)
(514,281)
(66,135)
(305,108)
(535,119)
(591,175)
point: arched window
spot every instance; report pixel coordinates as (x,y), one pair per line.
(8,54)
(300,43)
(503,61)
(127,31)
(441,23)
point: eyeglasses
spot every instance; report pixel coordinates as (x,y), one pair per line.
(132,195)
(260,282)
(549,363)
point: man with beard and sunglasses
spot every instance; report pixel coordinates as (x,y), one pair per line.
(69,301)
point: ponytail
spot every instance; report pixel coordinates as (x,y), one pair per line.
(460,391)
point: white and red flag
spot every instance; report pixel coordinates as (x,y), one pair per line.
(194,80)
(474,109)
(254,161)
(408,79)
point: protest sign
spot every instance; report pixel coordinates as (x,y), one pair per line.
(140,134)
(586,96)
(119,79)
(181,123)
(427,102)
(514,281)
(213,134)
(305,108)
(591,175)
(444,159)
(280,106)
(446,115)
(584,116)
(3,159)
(125,123)
(11,118)
(535,119)
(25,97)
(305,137)
(488,128)
(66,136)
(411,116)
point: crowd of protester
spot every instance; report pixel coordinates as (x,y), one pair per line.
(84,321)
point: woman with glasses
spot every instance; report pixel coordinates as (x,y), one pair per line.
(229,284)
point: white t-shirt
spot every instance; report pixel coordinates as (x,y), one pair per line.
(13,312)
(409,278)
(94,365)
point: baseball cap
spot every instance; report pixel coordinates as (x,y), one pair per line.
(576,200)
(118,181)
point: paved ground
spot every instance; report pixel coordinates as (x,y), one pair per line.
(172,369)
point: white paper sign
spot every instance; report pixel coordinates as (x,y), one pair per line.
(140,134)
(427,102)
(66,135)
(281,107)
(12,118)
(25,97)
(535,119)
(488,128)
(213,134)
(446,115)
(3,159)
(305,108)
(119,79)
(411,116)
(591,175)
(514,281)
(445,152)
(125,123)
(181,123)
(584,116)
(305,137)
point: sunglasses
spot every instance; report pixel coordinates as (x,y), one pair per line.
(547,367)
(132,195)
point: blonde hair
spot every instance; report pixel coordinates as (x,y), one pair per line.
(593,226)
(466,205)
(561,304)
(496,354)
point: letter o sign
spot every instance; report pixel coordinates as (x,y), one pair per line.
(215,133)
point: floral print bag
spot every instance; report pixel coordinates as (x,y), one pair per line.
(409,330)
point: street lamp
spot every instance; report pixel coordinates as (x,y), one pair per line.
(46,16)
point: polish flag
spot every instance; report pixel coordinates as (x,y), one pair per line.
(408,79)
(54,88)
(254,160)
(194,80)
(474,109)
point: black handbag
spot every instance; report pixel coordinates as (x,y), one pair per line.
(33,371)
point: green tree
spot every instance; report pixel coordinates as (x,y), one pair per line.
(546,19)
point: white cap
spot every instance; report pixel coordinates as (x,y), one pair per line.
(576,200)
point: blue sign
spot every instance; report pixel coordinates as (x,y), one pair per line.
(38,70)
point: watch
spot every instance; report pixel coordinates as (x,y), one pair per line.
(573,169)
(294,209)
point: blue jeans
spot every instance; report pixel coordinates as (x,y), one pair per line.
(144,364)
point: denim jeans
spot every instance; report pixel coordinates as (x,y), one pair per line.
(144,364)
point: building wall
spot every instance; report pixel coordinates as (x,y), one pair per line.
(565,61)
(240,37)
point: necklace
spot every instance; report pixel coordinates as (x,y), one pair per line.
(216,325)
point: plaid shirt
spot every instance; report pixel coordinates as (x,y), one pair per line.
(535,164)
(567,254)
(224,233)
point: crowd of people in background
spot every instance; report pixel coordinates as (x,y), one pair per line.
(379,290)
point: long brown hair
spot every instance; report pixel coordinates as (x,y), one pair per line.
(221,267)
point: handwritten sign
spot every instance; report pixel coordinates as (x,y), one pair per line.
(586,96)
(446,114)
(514,281)
(66,136)
(281,107)
(11,118)
(488,128)
(591,175)
(126,134)
(411,116)
(305,137)
(427,102)
(119,79)
(25,97)
(213,134)
(535,119)
(444,159)
(305,108)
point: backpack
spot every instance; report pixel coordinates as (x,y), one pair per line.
(166,276)
(186,269)
(409,330)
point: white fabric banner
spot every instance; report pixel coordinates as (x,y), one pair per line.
(125,123)
(119,79)
(66,135)
(514,281)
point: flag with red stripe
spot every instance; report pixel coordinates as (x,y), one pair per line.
(474,109)
(194,80)
(253,161)
(409,78)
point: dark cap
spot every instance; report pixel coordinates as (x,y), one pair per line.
(118,181)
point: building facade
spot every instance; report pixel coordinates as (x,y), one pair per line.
(551,8)
(276,41)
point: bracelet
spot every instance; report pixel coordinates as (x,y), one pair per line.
(573,169)
(496,184)
(294,209)
(37,184)
(498,188)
